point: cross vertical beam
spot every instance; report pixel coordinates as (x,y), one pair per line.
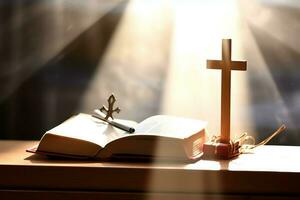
(226,65)
(225,91)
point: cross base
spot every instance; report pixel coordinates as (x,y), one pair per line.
(222,151)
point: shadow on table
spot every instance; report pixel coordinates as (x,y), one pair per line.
(36,158)
(52,159)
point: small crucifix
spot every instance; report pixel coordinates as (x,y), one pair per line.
(99,114)
(110,110)
(226,65)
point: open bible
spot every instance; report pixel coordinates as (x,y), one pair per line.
(157,137)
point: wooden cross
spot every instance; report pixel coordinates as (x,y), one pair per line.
(226,65)
(110,110)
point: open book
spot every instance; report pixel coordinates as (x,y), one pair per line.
(158,137)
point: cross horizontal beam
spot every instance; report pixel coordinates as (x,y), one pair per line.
(220,64)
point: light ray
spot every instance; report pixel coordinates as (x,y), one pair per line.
(191,89)
(268,102)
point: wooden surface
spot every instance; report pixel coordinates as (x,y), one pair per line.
(226,65)
(271,171)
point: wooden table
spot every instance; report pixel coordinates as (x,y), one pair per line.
(271,172)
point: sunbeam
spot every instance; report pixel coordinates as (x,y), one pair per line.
(191,89)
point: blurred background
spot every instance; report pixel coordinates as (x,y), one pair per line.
(62,57)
